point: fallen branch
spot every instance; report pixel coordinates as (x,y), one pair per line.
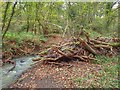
(86,46)
(98,42)
(55,48)
(79,57)
(114,44)
(102,46)
(36,59)
(75,49)
(87,57)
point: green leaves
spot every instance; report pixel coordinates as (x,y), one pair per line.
(91,15)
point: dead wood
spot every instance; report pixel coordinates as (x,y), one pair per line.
(84,58)
(98,42)
(79,57)
(36,59)
(87,37)
(55,48)
(75,49)
(88,57)
(115,44)
(88,47)
(102,46)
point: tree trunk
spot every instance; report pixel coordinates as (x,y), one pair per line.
(28,24)
(9,19)
(5,13)
(107,12)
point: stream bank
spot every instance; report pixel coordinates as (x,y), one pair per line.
(22,64)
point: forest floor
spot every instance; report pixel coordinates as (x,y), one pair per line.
(78,74)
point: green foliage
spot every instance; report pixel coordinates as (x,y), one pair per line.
(93,34)
(37,16)
(24,36)
(33,20)
(103,59)
(106,77)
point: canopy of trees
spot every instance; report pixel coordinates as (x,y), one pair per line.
(59,17)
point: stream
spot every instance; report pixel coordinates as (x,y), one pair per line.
(22,64)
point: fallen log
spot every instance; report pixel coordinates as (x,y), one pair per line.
(79,57)
(88,47)
(104,43)
(76,49)
(98,42)
(114,44)
(55,48)
(102,46)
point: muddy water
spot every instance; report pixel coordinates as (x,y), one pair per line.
(22,64)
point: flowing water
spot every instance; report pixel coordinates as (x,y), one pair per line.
(22,64)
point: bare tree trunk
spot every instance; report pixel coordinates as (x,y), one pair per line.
(9,19)
(5,13)
(28,24)
(66,27)
(119,21)
(108,10)
(28,18)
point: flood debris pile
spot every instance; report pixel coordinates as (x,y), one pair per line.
(80,49)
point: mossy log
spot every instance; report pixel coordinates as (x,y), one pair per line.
(104,43)
(115,44)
